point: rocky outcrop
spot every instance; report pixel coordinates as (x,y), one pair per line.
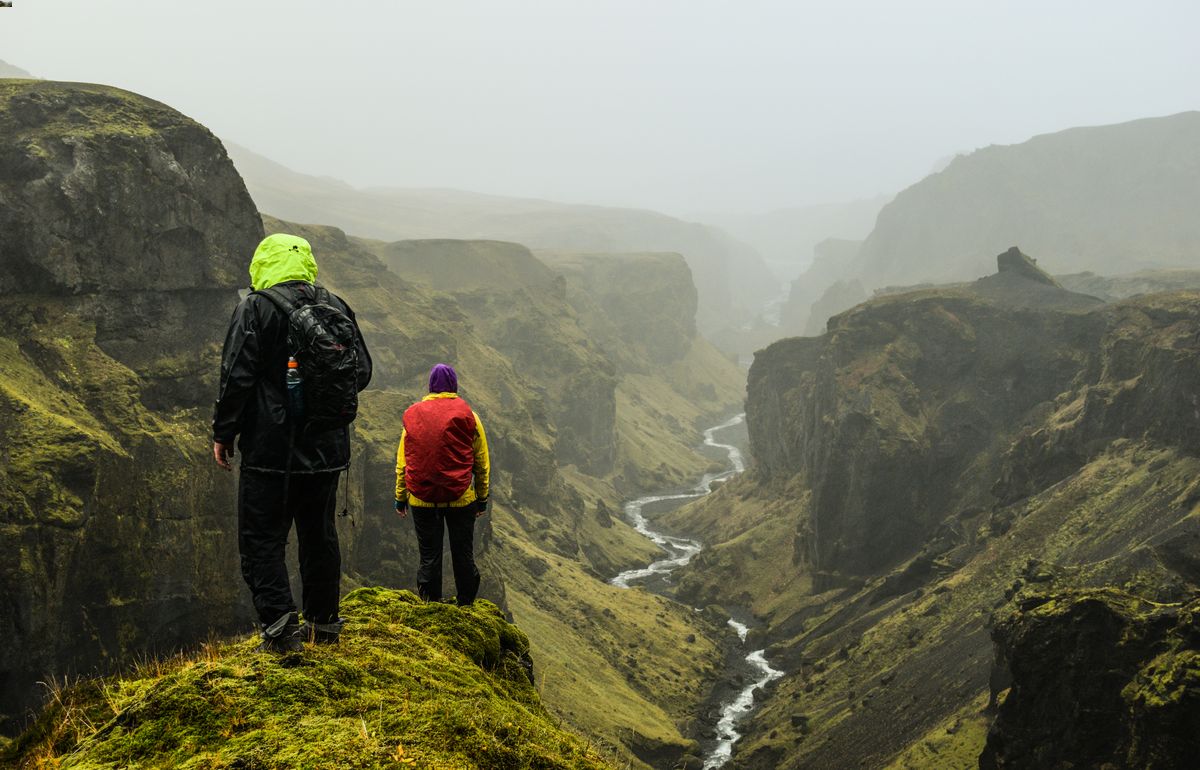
(1104,199)
(1096,679)
(124,230)
(1015,263)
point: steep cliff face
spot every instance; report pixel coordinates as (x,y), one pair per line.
(908,393)
(938,457)
(641,308)
(124,229)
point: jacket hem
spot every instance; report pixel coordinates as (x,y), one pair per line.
(296,471)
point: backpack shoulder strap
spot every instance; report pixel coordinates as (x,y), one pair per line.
(323,295)
(278,299)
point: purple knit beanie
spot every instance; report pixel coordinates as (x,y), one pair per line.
(442,379)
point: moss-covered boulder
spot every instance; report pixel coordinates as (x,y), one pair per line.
(411,685)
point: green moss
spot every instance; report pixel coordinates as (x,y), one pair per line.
(1168,681)
(411,684)
(92,110)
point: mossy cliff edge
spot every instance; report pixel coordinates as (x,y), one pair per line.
(923,470)
(412,684)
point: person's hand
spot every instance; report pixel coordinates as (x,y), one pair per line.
(402,508)
(223,453)
(480,508)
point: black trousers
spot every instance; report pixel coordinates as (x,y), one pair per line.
(264,521)
(460,524)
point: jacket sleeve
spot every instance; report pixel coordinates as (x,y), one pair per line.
(483,464)
(365,365)
(240,364)
(401,489)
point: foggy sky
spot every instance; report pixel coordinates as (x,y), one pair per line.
(676,105)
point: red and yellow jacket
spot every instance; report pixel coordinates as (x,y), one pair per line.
(443,455)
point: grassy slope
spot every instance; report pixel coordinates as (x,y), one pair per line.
(412,684)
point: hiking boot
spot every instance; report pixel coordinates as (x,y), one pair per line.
(322,633)
(282,636)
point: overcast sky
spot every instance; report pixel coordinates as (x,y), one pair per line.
(677,105)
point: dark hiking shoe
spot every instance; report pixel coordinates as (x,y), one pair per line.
(282,636)
(322,633)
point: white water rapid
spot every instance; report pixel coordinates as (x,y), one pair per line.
(733,711)
(680,551)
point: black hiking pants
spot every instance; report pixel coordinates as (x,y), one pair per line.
(264,521)
(459,523)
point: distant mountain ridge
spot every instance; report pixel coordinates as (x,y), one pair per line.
(730,276)
(1104,198)
(9,71)
(1111,200)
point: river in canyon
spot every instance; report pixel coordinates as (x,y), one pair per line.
(678,552)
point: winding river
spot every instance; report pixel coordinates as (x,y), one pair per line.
(680,551)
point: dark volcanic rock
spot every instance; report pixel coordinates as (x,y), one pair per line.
(1096,679)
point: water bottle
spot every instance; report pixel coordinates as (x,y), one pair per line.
(295,389)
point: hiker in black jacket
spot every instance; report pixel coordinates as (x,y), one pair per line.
(293,451)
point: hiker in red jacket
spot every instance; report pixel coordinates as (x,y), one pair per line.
(442,476)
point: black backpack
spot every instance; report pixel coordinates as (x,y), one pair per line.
(323,340)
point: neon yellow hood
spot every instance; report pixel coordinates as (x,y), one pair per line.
(282,257)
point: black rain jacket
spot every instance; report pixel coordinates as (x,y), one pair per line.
(251,402)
